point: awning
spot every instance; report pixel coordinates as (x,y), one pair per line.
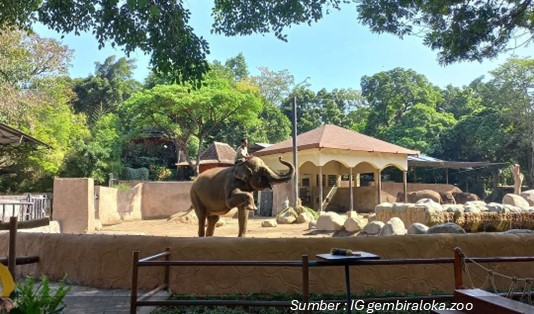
(431,162)
(10,136)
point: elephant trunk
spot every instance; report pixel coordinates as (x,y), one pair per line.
(275,178)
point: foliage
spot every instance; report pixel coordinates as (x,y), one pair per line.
(140,174)
(102,92)
(459,30)
(274,86)
(181,112)
(158,27)
(323,107)
(32,299)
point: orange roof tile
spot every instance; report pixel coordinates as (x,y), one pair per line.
(332,136)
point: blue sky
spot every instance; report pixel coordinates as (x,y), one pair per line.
(336,52)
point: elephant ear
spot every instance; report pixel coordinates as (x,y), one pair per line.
(242,172)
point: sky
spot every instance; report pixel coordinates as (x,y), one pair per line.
(335,52)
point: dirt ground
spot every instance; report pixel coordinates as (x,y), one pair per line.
(175,228)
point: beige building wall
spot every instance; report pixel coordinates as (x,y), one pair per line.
(74,204)
(106,261)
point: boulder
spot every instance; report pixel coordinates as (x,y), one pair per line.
(372,228)
(515,231)
(184,217)
(417,228)
(430,204)
(287,216)
(529,197)
(394,226)
(330,221)
(312,225)
(371,217)
(220,223)
(449,227)
(515,200)
(304,217)
(354,224)
(269,223)
(495,207)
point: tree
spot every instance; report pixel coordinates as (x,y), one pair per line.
(459,30)
(238,66)
(393,93)
(158,27)
(274,86)
(183,113)
(111,84)
(514,81)
(460,101)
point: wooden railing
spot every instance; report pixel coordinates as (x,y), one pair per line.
(11,260)
(304,264)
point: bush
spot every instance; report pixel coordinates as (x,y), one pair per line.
(30,298)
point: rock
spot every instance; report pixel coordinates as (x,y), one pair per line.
(451,208)
(511,209)
(188,217)
(220,223)
(471,209)
(515,200)
(449,227)
(529,197)
(516,231)
(495,207)
(312,225)
(269,223)
(371,217)
(330,221)
(98,225)
(417,228)
(372,228)
(430,204)
(287,216)
(354,224)
(304,217)
(475,203)
(394,226)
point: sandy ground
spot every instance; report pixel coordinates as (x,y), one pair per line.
(174,228)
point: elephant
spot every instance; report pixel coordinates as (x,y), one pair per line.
(417,195)
(464,197)
(447,198)
(217,190)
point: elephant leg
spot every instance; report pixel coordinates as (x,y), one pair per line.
(240,198)
(201,224)
(212,220)
(242,215)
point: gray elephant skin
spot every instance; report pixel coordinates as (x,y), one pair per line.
(431,194)
(217,190)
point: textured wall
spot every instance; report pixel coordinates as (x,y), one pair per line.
(113,205)
(162,199)
(74,204)
(105,261)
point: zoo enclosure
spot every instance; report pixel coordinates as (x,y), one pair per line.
(26,207)
(152,261)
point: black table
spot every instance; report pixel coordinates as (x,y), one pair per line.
(346,261)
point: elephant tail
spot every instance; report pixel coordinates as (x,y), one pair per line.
(182,216)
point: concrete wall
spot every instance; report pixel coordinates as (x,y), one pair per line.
(113,205)
(74,204)
(162,199)
(105,261)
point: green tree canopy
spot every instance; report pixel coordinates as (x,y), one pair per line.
(183,113)
(158,27)
(459,30)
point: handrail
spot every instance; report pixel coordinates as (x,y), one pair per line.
(304,263)
(329,196)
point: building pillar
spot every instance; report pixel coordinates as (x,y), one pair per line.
(351,205)
(378,182)
(320,188)
(405,185)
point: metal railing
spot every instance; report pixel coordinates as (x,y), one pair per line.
(304,264)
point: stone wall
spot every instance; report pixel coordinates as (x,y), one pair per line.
(74,204)
(105,261)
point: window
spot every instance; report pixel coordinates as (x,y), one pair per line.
(332,180)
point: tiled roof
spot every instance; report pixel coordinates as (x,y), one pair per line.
(332,136)
(218,153)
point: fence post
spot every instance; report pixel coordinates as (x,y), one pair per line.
(305,280)
(458,261)
(167,268)
(12,257)
(133,293)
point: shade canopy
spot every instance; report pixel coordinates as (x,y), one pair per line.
(10,136)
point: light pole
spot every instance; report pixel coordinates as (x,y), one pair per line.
(295,158)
